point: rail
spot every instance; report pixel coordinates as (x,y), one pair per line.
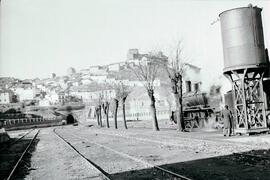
(104,174)
(21,157)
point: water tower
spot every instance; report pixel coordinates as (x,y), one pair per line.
(245,64)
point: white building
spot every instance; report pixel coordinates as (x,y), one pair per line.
(115,66)
(51,98)
(84,71)
(135,58)
(99,78)
(98,70)
(91,95)
(41,87)
(6,96)
(111,81)
(25,93)
(191,78)
(138,103)
(86,81)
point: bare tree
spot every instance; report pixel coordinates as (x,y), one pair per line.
(146,71)
(98,111)
(121,93)
(105,107)
(105,99)
(175,70)
(115,106)
(98,114)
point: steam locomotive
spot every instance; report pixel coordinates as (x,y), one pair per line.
(198,107)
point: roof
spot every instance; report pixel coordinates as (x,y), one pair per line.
(6,91)
(192,66)
(122,62)
(90,87)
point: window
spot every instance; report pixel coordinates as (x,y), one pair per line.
(196,87)
(218,90)
(188,86)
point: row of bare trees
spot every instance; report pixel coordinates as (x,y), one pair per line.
(121,93)
(147,72)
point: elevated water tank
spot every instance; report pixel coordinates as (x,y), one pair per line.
(242,36)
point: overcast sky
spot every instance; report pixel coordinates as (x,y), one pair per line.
(40,37)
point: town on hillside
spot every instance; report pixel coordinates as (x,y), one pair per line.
(94,85)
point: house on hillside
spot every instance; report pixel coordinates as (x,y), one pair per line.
(6,96)
(98,70)
(86,81)
(115,66)
(24,93)
(99,78)
(52,97)
(84,71)
(135,58)
(92,92)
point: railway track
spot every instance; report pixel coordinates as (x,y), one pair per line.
(169,173)
(103,174)
(14,154)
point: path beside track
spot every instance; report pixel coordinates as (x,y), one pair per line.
(52,159)
(188,154)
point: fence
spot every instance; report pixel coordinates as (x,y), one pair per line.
(29,121)
(161,114)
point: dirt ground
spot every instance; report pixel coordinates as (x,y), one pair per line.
(54,160)
(132,153)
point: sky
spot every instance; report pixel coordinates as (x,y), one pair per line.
(41,37)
